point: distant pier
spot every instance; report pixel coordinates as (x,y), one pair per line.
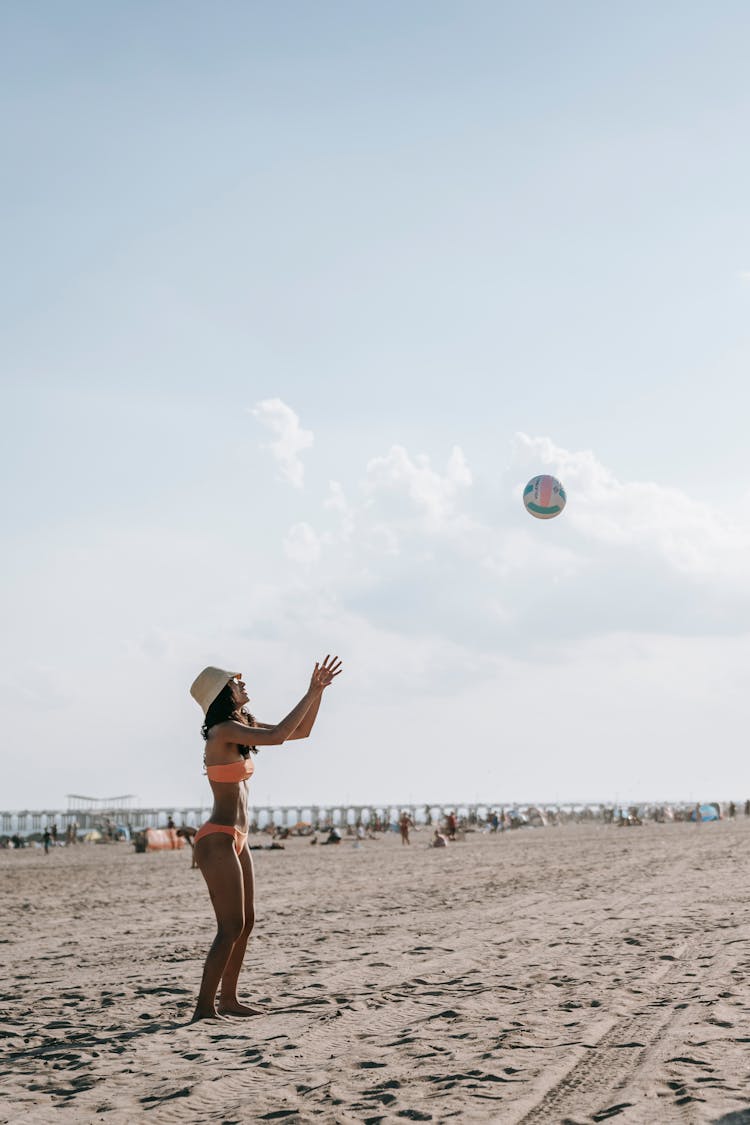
(91,812)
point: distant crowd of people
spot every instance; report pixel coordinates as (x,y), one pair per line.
(51,836)
(449,828)
(635,816)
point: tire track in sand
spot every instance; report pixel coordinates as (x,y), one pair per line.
(614,1057)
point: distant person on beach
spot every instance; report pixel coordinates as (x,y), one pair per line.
(451,825)
(698,815)
(439,840)
(747,807)
(186,832)
(404,824)
(47,840)
(221,850)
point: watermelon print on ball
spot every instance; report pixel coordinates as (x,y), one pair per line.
(544,497)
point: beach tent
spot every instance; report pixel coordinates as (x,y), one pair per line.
(93,835)
(516,818)
(708,812)
(163,839)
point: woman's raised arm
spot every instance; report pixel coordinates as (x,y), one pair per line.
(323,674)
(233,731)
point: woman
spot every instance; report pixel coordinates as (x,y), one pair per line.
(221,844)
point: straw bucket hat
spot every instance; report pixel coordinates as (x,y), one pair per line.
(207,685)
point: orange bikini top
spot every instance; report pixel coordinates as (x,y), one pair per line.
(234,771)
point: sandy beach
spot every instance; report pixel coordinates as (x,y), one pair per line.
(560,975)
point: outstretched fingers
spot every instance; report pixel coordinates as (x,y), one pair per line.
(330,668)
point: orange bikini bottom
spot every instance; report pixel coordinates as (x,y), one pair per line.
(240,838)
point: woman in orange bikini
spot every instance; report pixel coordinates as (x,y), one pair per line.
(221,844)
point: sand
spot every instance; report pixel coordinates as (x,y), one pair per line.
(557,975)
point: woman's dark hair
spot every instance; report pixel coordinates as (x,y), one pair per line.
(224,708)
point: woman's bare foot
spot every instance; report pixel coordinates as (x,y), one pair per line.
(211,1014)
(235,1008)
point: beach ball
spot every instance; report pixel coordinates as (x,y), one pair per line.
(544,497)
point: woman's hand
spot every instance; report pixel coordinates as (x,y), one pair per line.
(325,673)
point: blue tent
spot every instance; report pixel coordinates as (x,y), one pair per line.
(708,812)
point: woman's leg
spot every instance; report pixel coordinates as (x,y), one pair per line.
(220,867)
(228,1000)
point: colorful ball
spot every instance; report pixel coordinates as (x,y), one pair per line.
(544,497)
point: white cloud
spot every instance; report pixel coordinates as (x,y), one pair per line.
(36,686)
(336,498)
(301,544)
(381,539)
(625,714)
(336,501)
(629,615)
(655,519)
(157,644)
(290,438)
(431,493)
(419,553)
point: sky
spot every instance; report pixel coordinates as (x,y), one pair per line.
(295,299)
